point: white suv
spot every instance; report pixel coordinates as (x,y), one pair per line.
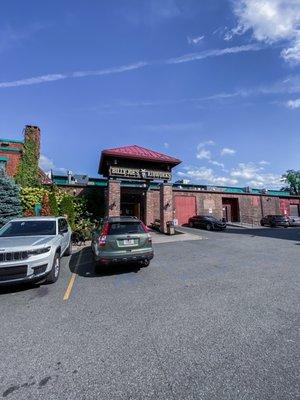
(31,248)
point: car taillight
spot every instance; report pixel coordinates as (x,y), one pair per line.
(149,238)
(103,235)
(146,229)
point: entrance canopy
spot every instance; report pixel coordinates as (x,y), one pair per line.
(135,162)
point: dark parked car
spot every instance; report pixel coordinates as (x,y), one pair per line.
(275,220)
(207,222)
(122,240)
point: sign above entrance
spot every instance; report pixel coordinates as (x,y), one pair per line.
(135,173)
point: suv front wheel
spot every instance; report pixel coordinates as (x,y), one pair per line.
(54,273)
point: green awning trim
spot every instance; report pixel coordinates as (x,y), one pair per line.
(10,149)
(11,141)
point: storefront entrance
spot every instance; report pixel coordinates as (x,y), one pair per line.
(230,209)
(133,203)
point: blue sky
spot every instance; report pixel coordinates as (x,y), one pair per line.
(214,83)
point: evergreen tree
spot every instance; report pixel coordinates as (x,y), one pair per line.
(10,205)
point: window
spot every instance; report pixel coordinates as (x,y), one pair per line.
(62,225)
(28,228)
(123,228)
(294,210)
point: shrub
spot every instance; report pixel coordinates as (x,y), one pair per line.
(67,209)
(53,203)
(45,210)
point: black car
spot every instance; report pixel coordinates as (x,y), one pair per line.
(275,220)
(207,222)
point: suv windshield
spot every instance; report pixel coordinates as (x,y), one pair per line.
(28,228)
(123,228)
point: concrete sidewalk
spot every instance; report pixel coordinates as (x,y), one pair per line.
(180,236)
(245,225)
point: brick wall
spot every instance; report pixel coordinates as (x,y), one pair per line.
(12,156)
(251,207)
(113,198)
(166,205)
(12,150)
(152,206)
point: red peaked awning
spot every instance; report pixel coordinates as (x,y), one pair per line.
(140,153)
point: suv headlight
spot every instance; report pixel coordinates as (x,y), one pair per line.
(39,251)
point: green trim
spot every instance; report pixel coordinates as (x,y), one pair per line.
(3,158)
(10,149)
(11,141)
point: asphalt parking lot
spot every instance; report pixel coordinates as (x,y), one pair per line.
(216,318)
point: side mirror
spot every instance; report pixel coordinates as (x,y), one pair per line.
(62,231)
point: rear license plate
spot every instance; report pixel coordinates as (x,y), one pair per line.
(129,242)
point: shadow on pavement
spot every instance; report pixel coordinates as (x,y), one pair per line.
(82,264)
(18,287)
(292,234)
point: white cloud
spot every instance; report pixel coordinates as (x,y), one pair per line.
(78,74)
(270,21)
(263,162)
(293,104)
(253,174)
(245,174)
(226,151)
(134,66)
(45,163)
(166,145)
(214,53)
(207,143)
(203,154)
(195,40)
(218,164)
(206,175)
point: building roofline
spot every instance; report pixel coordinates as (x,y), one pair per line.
(11,141)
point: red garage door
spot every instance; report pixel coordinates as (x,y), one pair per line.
(185,207)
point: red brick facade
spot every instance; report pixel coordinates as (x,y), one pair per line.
(113,198)
(166,205)
(11,151)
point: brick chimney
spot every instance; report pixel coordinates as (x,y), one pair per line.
(32,132)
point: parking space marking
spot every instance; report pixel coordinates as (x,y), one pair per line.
(72,279)
(70,286)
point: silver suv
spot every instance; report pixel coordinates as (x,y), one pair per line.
(31,248)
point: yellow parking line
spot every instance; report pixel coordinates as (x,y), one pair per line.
(70,286)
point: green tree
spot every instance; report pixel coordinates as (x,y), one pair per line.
(10,205)
(28,169)
(67,209)
(292,179)
(53,203)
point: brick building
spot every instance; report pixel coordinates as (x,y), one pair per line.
(137,182)
(11,151)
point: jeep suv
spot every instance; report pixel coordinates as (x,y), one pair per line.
(122,240)
(31,248)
